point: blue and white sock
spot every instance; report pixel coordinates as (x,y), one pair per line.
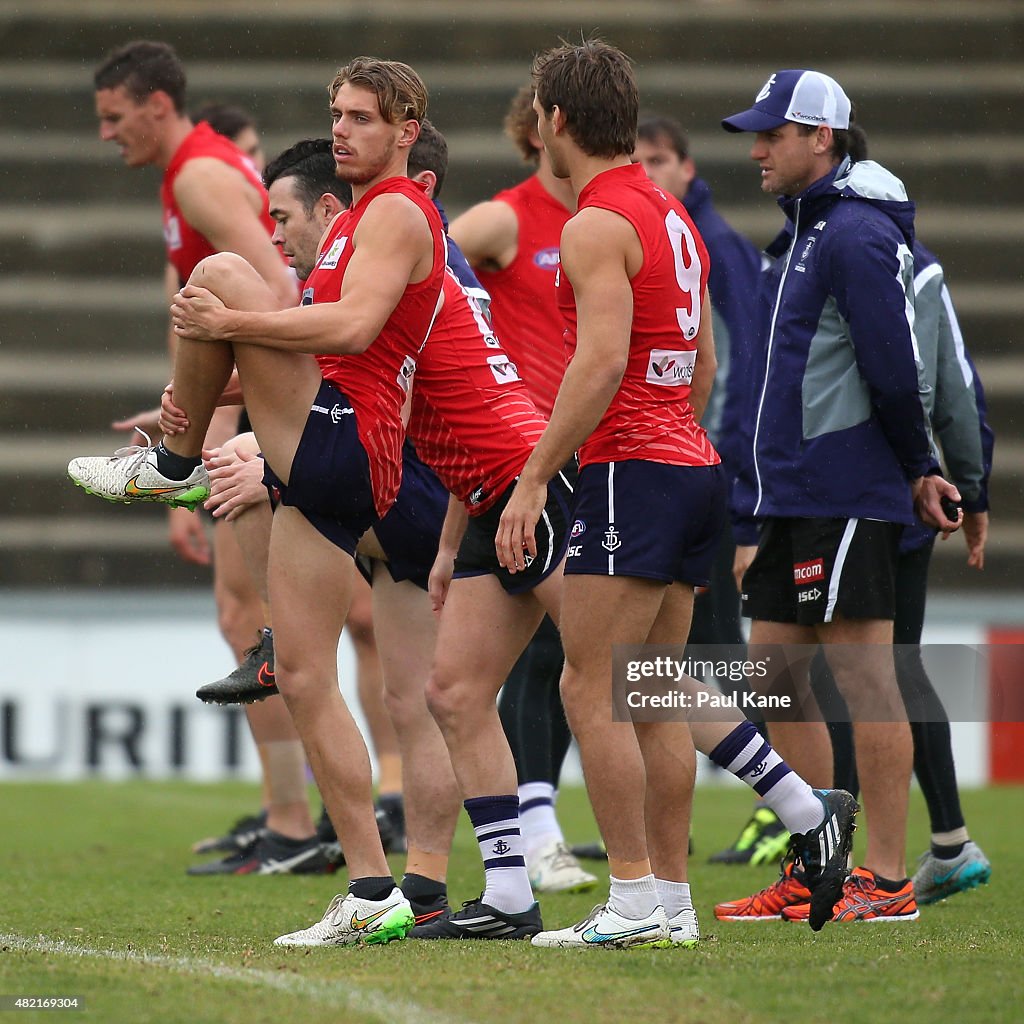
(537,815)
(496,823)
(753,760)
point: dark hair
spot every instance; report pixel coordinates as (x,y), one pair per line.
(429,153)
(144,68)
(224,118)
(521,124)
(842,139)
(654,129)
(857,148)
(311,163)
(401,94)
(594,86)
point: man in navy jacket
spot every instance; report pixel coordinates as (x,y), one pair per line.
(840,457)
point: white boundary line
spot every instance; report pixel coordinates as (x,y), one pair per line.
(339,996)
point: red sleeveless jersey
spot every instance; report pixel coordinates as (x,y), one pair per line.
(650,416)
(473,421)
(186,246)
(524,307)
(377,381)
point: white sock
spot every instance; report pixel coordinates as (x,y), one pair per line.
(674,896)
(496,824)
(797,805)
(537,818)
(633,898)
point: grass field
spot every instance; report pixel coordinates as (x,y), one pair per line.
(94,902)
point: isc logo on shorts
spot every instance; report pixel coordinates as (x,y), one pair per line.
(808,572)
(670,369)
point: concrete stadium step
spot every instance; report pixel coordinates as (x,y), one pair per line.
(124,241)
(126,547)
(49,317)
(473,32)
(38,167)
(975,97)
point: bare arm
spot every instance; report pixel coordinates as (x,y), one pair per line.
(225,208)
(487,234)
(452,531)
(392,247)
(594,251)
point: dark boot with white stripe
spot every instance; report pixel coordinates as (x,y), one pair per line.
(823,853)
(477,920)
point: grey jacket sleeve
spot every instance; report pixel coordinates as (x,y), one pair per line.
(956,416)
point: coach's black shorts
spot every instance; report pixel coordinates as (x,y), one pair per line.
(811,571)
(647,519)
(330,478)
(410,531)
(477,556)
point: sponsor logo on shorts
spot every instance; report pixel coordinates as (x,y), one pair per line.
(503,369)
(546,259)
(612,541)
(477,496)
(808,572)
(806,596)
(575,550)
(669,368)
(331,258)
(578,529)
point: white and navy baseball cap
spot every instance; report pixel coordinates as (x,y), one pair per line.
(806,97)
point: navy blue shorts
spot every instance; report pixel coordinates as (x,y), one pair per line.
(478,557)
(410,532)
(330,477)
(647,519)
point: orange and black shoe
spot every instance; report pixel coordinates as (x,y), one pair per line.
(768,904)
(864,900)
(253,680)
(799,912)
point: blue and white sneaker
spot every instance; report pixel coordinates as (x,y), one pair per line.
(935,879)
(604,927)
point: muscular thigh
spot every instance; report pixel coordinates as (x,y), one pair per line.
(599,612)
(483,630)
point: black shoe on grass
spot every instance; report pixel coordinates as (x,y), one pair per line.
(242,834)
(271,854)
(253,680)
(477,920)
(823,853)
